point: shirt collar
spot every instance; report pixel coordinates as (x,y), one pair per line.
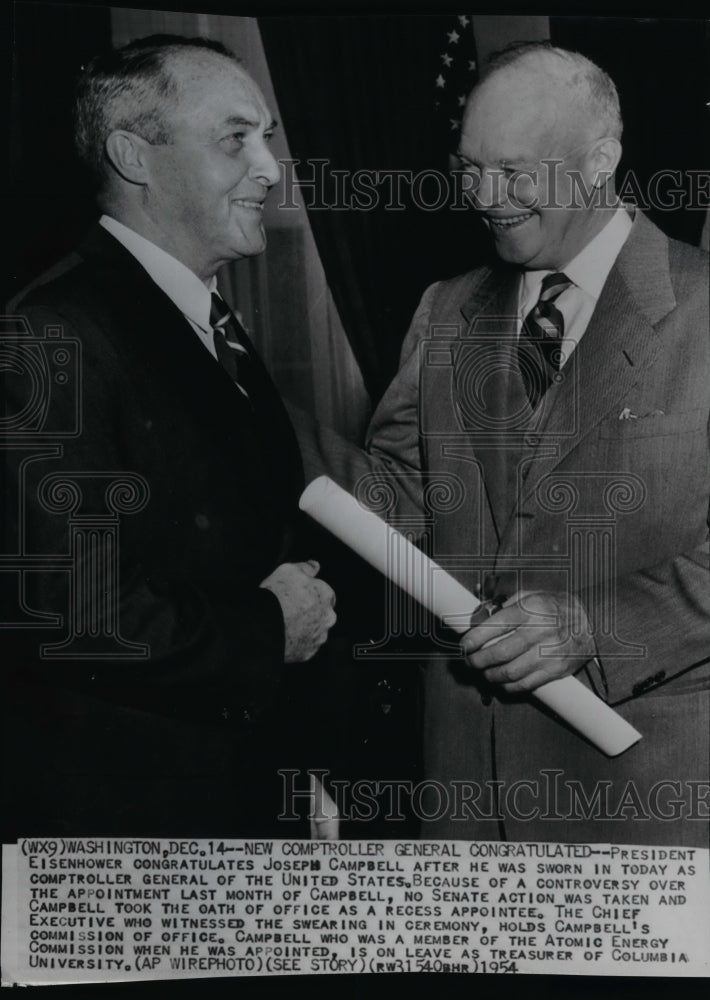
(590,268)
(182,286)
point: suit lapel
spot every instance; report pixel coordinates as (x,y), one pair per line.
(616,351)
(160,339)
(151,325)
(618,348)
(490,393)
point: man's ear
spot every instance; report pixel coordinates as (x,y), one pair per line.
(126,153)
(605,156)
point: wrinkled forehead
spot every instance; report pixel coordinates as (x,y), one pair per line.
(211,86)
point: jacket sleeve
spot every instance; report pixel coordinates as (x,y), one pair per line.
(662,605)
(391,458)
(664,611)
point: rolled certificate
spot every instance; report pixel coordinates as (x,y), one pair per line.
(420,577)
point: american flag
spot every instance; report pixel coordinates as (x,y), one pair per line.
(456,76)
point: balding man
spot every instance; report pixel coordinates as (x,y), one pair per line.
(158,715)
(559,399)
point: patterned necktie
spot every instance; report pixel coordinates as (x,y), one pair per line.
(539,354)
(229,337)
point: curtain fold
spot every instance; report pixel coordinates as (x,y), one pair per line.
(358,93)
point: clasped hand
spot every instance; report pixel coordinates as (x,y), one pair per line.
(508,647)
(307,605)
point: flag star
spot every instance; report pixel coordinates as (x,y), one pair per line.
(462,100)
(455,123)
(440,81)
(453,37)
(472,66)
(446,58)
(463,20)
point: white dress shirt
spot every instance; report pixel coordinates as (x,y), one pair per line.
(588,270)
(182,286)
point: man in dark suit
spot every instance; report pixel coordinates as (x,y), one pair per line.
(559,400)
(155,514)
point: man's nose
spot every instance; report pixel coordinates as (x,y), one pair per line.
(492,189)
(264,166)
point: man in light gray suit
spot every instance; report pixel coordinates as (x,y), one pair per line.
(561,396)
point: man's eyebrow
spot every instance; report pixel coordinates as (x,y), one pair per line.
(505,162)
(238,120)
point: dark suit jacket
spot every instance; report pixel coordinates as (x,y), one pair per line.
(567,498)
(184,740)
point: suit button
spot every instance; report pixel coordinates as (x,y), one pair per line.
(202,522)
(486,699)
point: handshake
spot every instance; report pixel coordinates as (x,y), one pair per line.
(307,605)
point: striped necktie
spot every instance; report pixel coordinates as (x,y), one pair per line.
(229,342)
(539,354)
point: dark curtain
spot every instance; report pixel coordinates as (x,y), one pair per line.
(658,65)
(359,92)
(51,202)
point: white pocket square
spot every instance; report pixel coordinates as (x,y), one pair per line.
(626,414)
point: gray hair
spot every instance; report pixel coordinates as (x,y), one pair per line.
(593,89)
(130,88)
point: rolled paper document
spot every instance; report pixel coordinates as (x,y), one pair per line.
(420,577)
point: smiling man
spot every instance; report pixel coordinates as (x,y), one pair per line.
(540,139)
(159,713)
(198,170)
(549,428)
(593,526)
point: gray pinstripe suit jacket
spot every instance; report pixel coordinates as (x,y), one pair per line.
(570,497)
